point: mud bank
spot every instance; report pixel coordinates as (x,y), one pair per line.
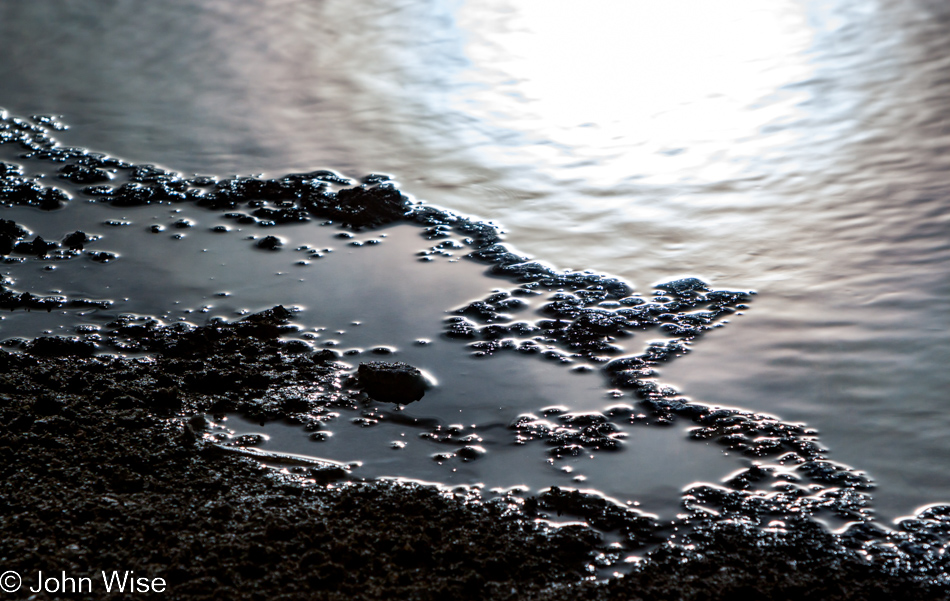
(110,461)
(105,467)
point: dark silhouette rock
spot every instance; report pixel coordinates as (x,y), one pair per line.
(270,243)
(684,285)
(10,233)
(38,247)
(392,382)
(83,174)
(76,240)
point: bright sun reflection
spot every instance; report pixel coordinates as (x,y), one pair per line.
(635,89)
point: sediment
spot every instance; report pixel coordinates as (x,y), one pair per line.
(108,464)
(105,466)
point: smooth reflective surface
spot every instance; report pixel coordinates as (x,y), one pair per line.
(799,149)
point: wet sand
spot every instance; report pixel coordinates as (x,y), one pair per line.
(101,473)
(111,458)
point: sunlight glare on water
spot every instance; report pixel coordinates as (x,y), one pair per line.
(610,93)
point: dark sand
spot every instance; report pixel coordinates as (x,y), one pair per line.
(101,473)
(107,464)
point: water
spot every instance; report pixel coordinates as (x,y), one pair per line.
(368,296)
(798,149)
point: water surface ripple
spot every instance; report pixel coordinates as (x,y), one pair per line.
(799,149)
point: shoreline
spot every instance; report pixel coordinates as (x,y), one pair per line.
(107,466)
(116,481)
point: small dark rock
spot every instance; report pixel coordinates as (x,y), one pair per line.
(83,174)
(684,285)
(297,347)
(76,240)
(392,382)
(270,243)
(266,325)
(470,452)
(10,233)
(369,206)
(38,247)
(102,256)
(322,356)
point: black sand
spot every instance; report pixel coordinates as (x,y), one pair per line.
(99,473)
(106,465)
